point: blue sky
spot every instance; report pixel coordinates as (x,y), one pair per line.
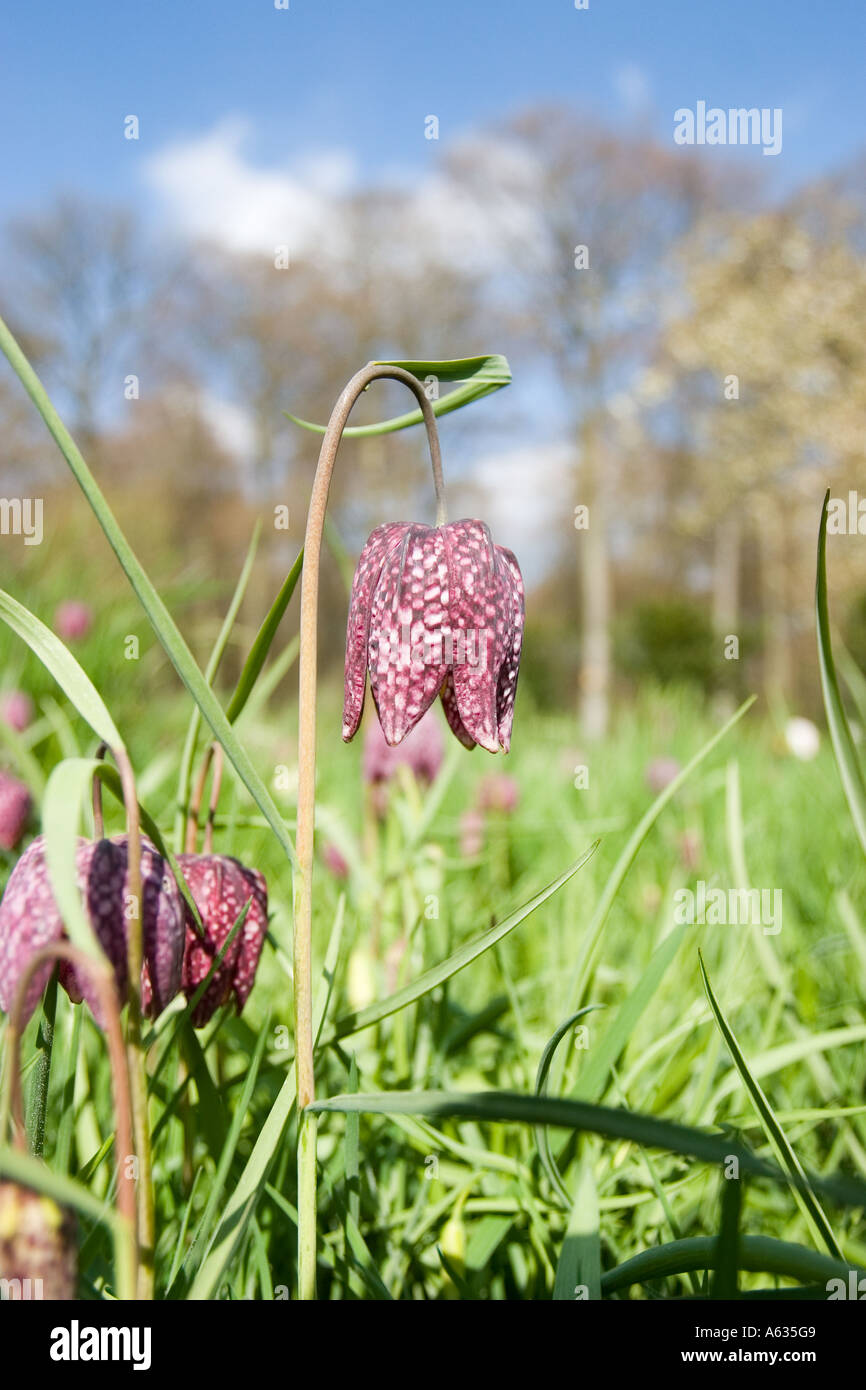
(359,76)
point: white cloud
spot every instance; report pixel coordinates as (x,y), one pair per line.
(528,498)
(213,192)
(232,427)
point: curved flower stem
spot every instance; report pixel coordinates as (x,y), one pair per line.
(213,754)
(99,975)
(135,1047)
(96,794)
(302,893)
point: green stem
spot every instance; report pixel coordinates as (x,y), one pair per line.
(303,879)
(38,1096)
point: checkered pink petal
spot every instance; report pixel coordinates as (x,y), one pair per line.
(441,612)
(30,918)
(220,887)
(408,628)
(379,546)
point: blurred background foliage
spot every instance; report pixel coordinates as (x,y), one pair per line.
(703,376)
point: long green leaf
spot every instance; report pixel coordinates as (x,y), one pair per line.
(478,376)
(438,974)
(592,939)
(653,1133)
(544,1064)
(806,1198)
(216,656)
(579,1265)
(61,810)
(757,1254)
(59,661)
(837,722)
(264,639)
(170,638)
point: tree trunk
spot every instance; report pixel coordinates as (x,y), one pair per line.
(596,592)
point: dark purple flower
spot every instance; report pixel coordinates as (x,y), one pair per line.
(15,805)
(435,611)
(30,919)
(421,751)
(16,710)
(220,887)
(73,620)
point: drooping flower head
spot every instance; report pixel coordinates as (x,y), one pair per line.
(435,611)
(15,804)
(30,919)
(16,710)
(73,620)
(220,887)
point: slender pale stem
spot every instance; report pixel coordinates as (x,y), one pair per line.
(135,1048)
(303,879)
(99,975)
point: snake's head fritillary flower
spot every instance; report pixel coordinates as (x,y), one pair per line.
(30,919)
(499,793)
(16,710)
(38,1252)
(661,772)
(73,620)
(335,862)
(421,751)
(221,887)
(472,828)
(435,611)
(15,805)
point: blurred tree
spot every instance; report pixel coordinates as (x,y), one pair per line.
(582,219)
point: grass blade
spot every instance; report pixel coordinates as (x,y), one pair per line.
(837,722)
(806,1198)
(438,974)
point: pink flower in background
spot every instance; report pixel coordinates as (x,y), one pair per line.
(499,792)
(421,751)
(435,611)
(220,887)
(690,848)
(16,710)
(334,861)
(472,825)
(15,805)
(661,772)
(30,919)
(73,620)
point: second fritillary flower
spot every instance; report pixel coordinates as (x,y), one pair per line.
(435,611)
